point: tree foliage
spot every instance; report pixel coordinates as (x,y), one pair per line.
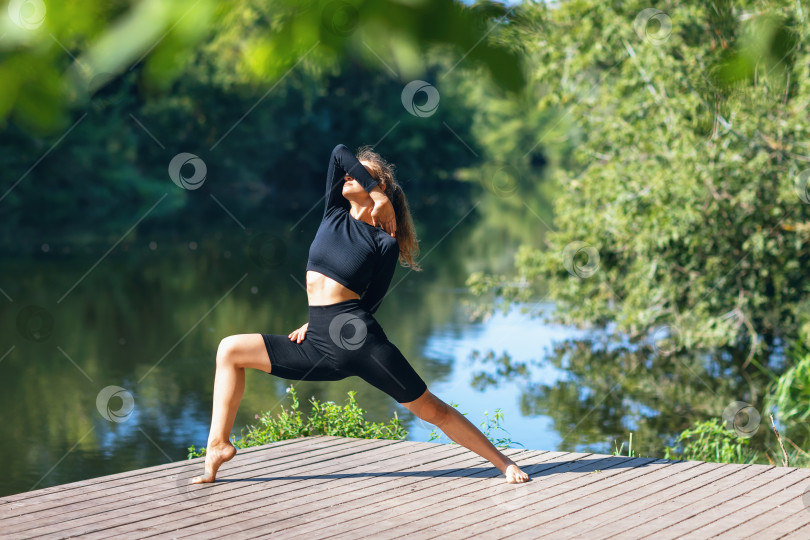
(56,55)
(257,89)
(682,204)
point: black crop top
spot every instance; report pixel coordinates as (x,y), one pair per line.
(354,253)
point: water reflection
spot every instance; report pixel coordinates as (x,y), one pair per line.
(614,385)
(480,379)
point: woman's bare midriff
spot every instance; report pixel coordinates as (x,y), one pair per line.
(324,291)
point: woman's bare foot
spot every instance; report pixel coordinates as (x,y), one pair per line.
(215,455)
(514,475)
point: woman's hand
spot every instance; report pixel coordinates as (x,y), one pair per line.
(383,213)
(300,334)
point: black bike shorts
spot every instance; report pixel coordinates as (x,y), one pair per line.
(342,340)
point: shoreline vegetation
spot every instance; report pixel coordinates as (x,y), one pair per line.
(712,440)
(329,418)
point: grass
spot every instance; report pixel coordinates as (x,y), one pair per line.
(711,441)
(325,418)
(328,418)
(630,451)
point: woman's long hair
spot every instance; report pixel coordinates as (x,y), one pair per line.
(383,172)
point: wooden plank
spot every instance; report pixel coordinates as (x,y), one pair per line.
(800,525)
(626,510)
(658,513)
(122,489)
(733,526)
(309,520)
(653,505)
(322,497)
(492,500)
(237,507)
(569,504)
(154,485)
(57,494)
(396,492)
(777,500)
(786,518)
(169,490)
(335,487)
(613,505)
(56,491)
(430,488)
(410,510)
(230,497)
(707,510)
(172,499)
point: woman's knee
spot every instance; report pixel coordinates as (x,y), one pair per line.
(243,351)
(226,351)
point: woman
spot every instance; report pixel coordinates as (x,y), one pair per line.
(349,255)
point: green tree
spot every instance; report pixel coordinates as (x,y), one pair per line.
(681,208)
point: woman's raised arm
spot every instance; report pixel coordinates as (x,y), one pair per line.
(343,162)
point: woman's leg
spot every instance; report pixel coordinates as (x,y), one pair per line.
(235,353)
(461,431)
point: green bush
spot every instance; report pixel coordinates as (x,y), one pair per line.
(325,419)
(790,394)
(711,441)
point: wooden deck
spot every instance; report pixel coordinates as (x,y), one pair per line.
(334,487)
